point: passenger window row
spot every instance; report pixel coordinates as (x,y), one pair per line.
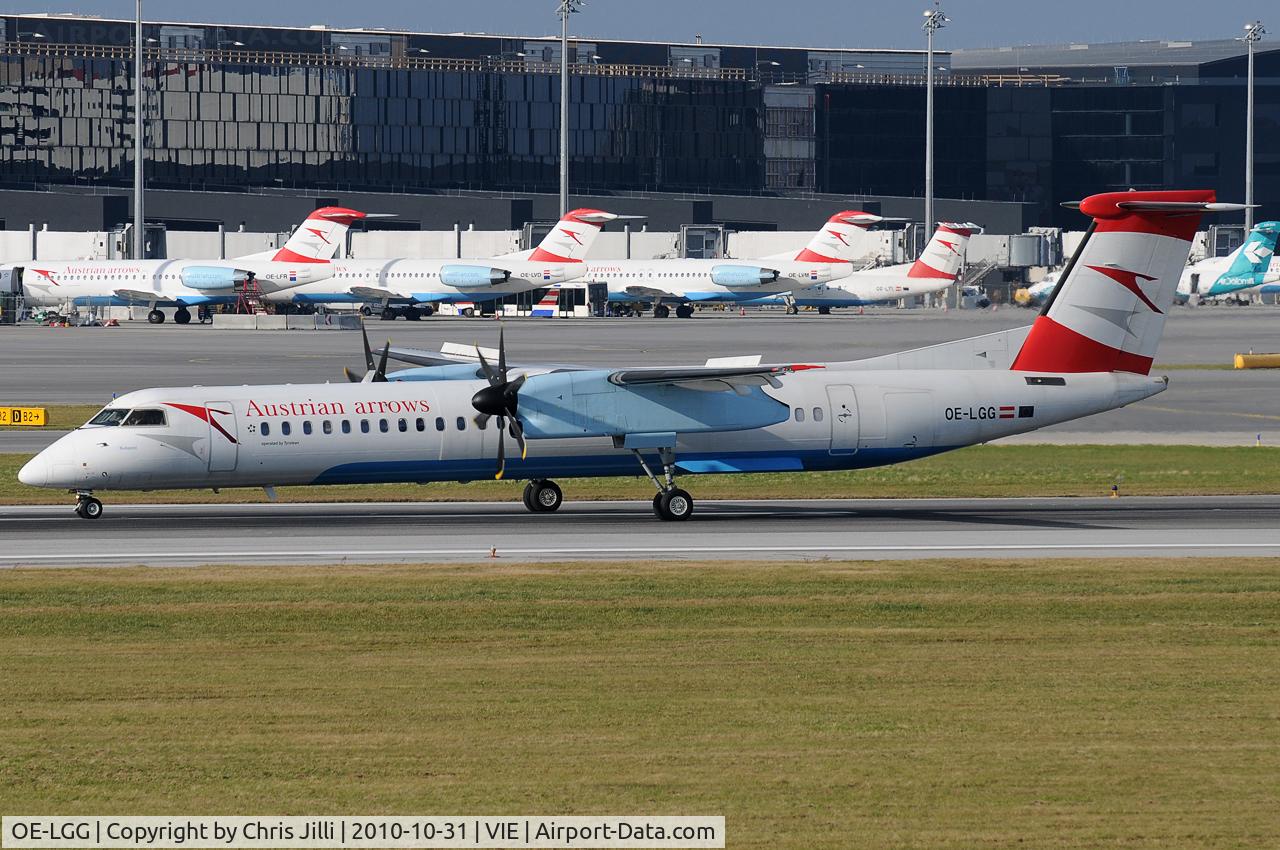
(384,426)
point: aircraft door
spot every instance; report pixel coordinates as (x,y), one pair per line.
(224,442)
(844,419)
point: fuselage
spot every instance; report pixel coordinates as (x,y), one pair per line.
(870,286)
(157,282)
(447,281)
(836,417)
(700,280)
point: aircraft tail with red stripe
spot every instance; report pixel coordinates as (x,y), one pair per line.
(837,241)
(943,256)
(571,238)
(319,237)
(1108,310)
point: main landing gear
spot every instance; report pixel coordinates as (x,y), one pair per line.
(87,507)
(542,496)
(182,316)
(155,317)
(671,504)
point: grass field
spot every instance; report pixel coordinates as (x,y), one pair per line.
(906,705)
(972,472)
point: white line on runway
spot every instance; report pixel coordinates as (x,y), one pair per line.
(365,555)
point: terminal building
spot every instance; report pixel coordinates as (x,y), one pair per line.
(247,126)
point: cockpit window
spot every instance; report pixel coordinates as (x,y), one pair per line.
(144,417)
(110,416)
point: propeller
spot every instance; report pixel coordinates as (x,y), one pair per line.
(373,372)
(500,399)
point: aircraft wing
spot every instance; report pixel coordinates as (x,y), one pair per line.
(708,378)
(374,293)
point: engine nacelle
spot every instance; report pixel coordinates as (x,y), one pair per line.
(472,276)
(212,277)
(742,275)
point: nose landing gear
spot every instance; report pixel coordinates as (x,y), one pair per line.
(87,507)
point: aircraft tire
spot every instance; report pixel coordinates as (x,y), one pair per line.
(427,310)
(547,496)
(684,311)
(388,314)
(824,311)
(88,508)
(675,506)
(412,314)
(527,498)
(661,311)
(182,317)
(155,317)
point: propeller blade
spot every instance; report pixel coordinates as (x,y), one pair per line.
(481,420)
(489,374)
(502,453)
(502,354)
(368,352)
(381,374)
(351,376)
(517,431)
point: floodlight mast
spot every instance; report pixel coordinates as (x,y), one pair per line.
(934,20)
(139,218)
(1252,35)
(564,10)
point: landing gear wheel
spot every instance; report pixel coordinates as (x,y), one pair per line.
(661,311)
(428,310)
(793,310)
(824,311)
(412,314)
(88,507)
(657,500)
(543,497)
(155,317)
(388,315)
(684,311)
(182,316)
(674,505)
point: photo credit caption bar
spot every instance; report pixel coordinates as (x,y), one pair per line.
(517,831)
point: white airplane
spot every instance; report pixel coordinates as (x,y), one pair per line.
(937,268)
(413,287)
(684,282)
(1248,268)
(188,283)
(1090,350)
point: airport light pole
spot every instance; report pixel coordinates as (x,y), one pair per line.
(934,20)
(564,10)
(1252,35)
(139,219)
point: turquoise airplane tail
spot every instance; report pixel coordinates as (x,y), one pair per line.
(1252,263)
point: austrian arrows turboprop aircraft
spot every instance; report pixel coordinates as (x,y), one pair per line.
(1090,350)
(662,282)
(411,287)
(189,283)
(1251,265)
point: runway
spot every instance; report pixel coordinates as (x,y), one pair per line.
(188,535)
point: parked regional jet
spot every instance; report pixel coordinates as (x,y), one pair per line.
(683,282)
(937,268)
(1090,350)
(188,283)
(412,287)
(1253,264)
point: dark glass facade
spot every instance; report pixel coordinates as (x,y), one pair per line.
(244,108)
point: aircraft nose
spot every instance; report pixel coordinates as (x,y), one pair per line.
(35,473)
